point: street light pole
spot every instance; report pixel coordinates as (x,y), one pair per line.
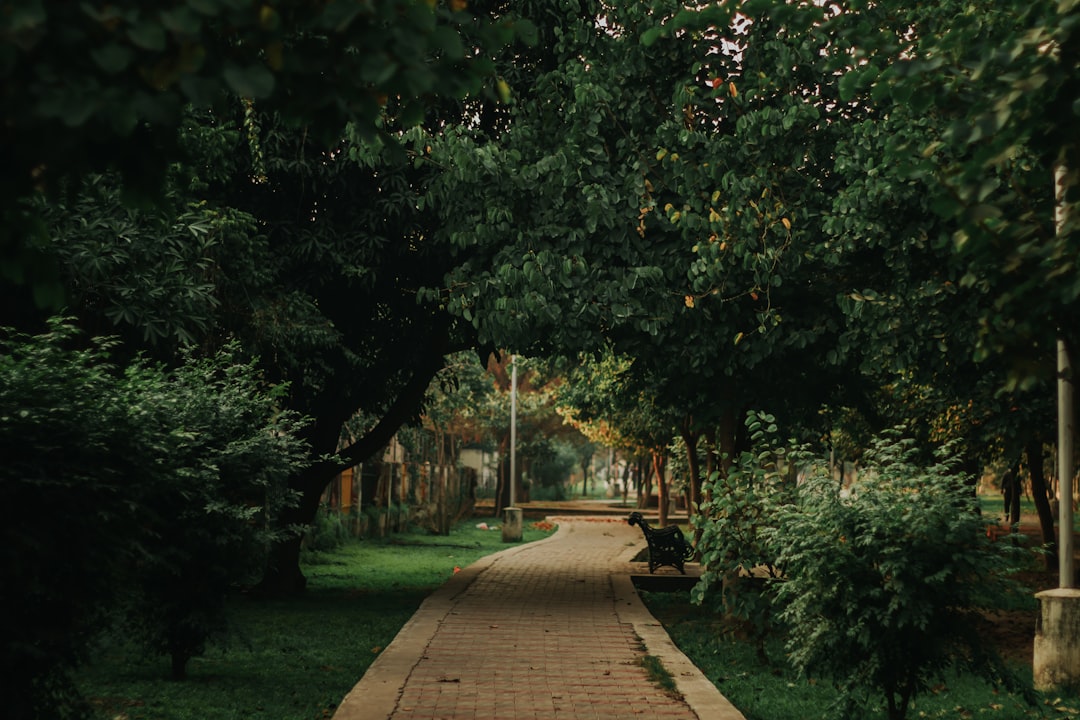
(1066,574)
(511,527)
(513,431)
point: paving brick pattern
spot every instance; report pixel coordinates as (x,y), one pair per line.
(535,634)
(539,638)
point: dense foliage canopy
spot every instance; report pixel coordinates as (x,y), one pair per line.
(854,215)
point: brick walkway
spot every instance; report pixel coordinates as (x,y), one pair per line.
(540,631)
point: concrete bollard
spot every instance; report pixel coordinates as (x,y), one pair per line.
(511,527)
(1056,664)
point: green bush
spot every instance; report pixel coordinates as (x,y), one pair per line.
(882,589)
(328,532)
(160,480)
(374,522)
(63,428)
(552,461)
(218,453)
(738,553)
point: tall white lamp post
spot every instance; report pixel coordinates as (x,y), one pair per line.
(511,527)
(1056,663)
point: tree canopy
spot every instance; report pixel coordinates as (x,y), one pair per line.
(853,212)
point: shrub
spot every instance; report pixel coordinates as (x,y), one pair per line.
(218,453)
(63,425)
(883,588)
(328,532)
(738,553)
(163,480)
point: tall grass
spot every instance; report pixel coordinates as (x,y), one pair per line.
(295,659)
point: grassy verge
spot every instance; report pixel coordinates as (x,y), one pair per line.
(765,690)
(295,659)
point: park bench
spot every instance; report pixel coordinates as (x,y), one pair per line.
(667,546)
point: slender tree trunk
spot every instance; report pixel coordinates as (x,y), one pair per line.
(727,439)
(625,482)
(500,482)
(1012,487)
(711,458)
(644,482)
(693,486)
(659,462)
(1040,494)
(586,466)
(1014,505)
(502,487)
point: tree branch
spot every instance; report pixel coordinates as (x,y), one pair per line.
(405,405)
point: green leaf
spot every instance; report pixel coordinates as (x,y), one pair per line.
(337,16)
(985,211)
(148,35)
(413,114)
(503,88)
(253,81)
(447,40)
(182,21)
(199,91)
(24,15)
(753,8)
(880,91)
(651,35)
(526,31)
(112,58)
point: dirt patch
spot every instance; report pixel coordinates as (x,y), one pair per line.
(1013,632)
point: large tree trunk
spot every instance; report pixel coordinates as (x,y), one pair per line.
(1041,496)
(283,576)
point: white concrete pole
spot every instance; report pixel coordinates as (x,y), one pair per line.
(1066,572)
(512,515)
(1056,662)
(513,431)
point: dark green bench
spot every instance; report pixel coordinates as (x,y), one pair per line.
(667,546)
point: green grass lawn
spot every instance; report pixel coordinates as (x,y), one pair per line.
(769,690)
(295,659)
(993,507)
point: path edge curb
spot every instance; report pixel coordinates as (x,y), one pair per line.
(703,697)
